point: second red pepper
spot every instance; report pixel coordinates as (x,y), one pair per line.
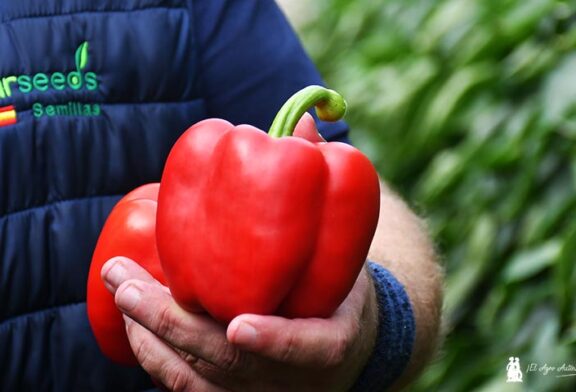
(129,231)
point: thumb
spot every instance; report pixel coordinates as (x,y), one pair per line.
(304,342)
(306,129)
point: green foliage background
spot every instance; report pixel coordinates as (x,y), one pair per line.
(468,108)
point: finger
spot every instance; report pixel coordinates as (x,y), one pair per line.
(306,129)
(162,362)
(119,269)
(196,334)
(301,342)
(312,341)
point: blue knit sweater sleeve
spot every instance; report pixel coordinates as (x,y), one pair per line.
(395,337)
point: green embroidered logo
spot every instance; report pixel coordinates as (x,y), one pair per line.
(58,81)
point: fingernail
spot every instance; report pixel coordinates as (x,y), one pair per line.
(114,272)
(245,334)
(128,298)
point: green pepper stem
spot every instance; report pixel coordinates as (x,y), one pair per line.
(330,106)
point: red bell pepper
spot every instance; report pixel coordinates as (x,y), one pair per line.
(268,224)
(129,231)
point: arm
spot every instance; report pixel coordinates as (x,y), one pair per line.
(402,246)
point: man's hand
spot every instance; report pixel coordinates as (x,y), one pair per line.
(192,352)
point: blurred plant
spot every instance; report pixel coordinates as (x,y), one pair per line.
(468,108)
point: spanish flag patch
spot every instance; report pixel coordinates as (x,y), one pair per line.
(7,115)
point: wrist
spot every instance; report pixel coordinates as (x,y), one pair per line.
(395,333)
(368,323)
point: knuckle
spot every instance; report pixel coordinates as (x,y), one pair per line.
(339,350)
(186,356)
(177,380)
(207,369)
(165,322)
(189,358)
(176,377)
(230,359)
(287,352)
(170,373)
(227,361)
(142,351)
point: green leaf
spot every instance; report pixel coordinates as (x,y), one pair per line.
(559,94)
(532,261)
(82,56)
(565,276)
(474,264)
